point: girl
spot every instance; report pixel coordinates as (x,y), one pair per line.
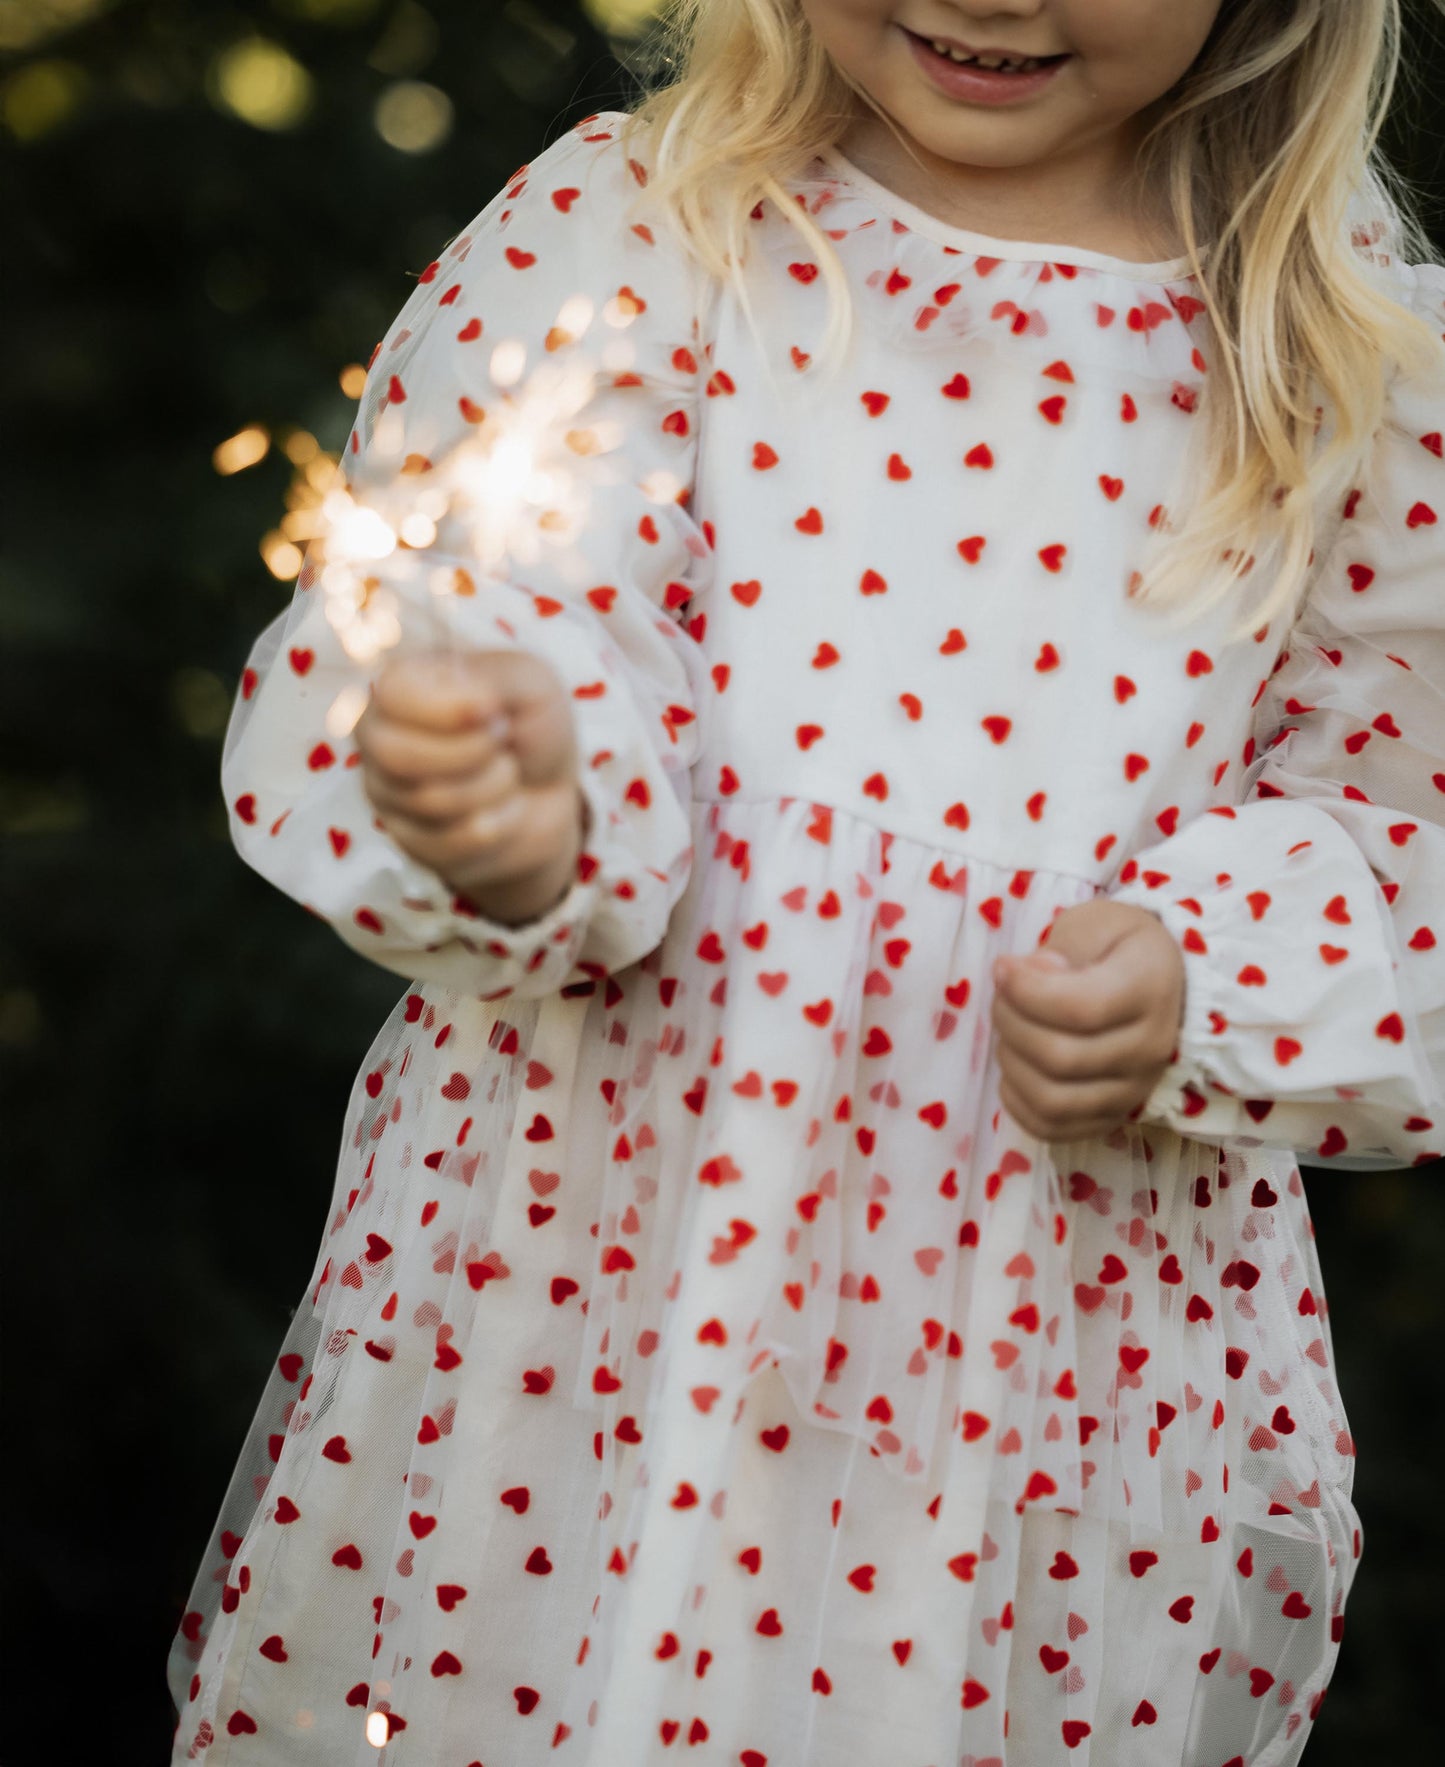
(771,1313)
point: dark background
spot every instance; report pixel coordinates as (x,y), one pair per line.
(214,210)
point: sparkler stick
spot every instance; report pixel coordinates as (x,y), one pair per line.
(499,498)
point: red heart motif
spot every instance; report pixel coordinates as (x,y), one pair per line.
(810,522)
(872,584)
(876,403)
(764,457)
(520,260)
(957,388)
(972,548)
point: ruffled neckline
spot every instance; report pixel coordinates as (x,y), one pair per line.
(964,239)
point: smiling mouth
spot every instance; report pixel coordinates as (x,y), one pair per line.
(990,62)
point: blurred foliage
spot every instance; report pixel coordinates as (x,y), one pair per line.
(218,209)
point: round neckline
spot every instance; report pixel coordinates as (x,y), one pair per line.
(985,245)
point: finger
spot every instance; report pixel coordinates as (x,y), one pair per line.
(1096,997)
(1060,1114)
(465,843)
(407,752)
(439,801)
(1063,1054)
(441,691)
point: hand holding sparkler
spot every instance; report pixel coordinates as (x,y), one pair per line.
(471,761)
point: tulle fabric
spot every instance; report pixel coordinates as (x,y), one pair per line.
(1076,1348)
(697,1359)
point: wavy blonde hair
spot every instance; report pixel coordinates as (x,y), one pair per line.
(1266,149)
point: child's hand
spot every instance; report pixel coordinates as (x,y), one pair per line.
(488,807)
(1080,1048)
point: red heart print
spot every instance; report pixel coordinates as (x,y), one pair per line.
(876,403)
(520,260)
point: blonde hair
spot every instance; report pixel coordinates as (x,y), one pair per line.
(1267,149)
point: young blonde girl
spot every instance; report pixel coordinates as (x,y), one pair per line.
(818,1273)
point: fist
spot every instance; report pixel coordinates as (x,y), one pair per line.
(1086,1028)
(470,761)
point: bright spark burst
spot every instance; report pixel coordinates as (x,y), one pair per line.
(512,489)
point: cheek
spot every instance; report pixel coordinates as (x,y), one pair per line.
(852,31)
(1137,49)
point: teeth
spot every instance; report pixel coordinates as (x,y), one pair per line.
(992,62)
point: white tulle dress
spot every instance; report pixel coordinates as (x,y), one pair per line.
(700,1364)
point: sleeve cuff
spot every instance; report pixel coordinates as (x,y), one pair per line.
(1181,1093)
(434,916)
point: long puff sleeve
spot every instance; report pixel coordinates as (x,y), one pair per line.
(1311,915)
(624,636)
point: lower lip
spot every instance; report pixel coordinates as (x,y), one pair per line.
(979,85)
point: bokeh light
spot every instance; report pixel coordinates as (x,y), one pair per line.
(24,23)
(282,557)
(201,702)
(241,450)
(622,18)
(262,84)
(353,380)
(41,97)
(328,12)
(413,117)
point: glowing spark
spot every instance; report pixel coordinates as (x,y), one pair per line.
(509,488)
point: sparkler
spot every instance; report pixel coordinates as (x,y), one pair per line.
(503,496)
